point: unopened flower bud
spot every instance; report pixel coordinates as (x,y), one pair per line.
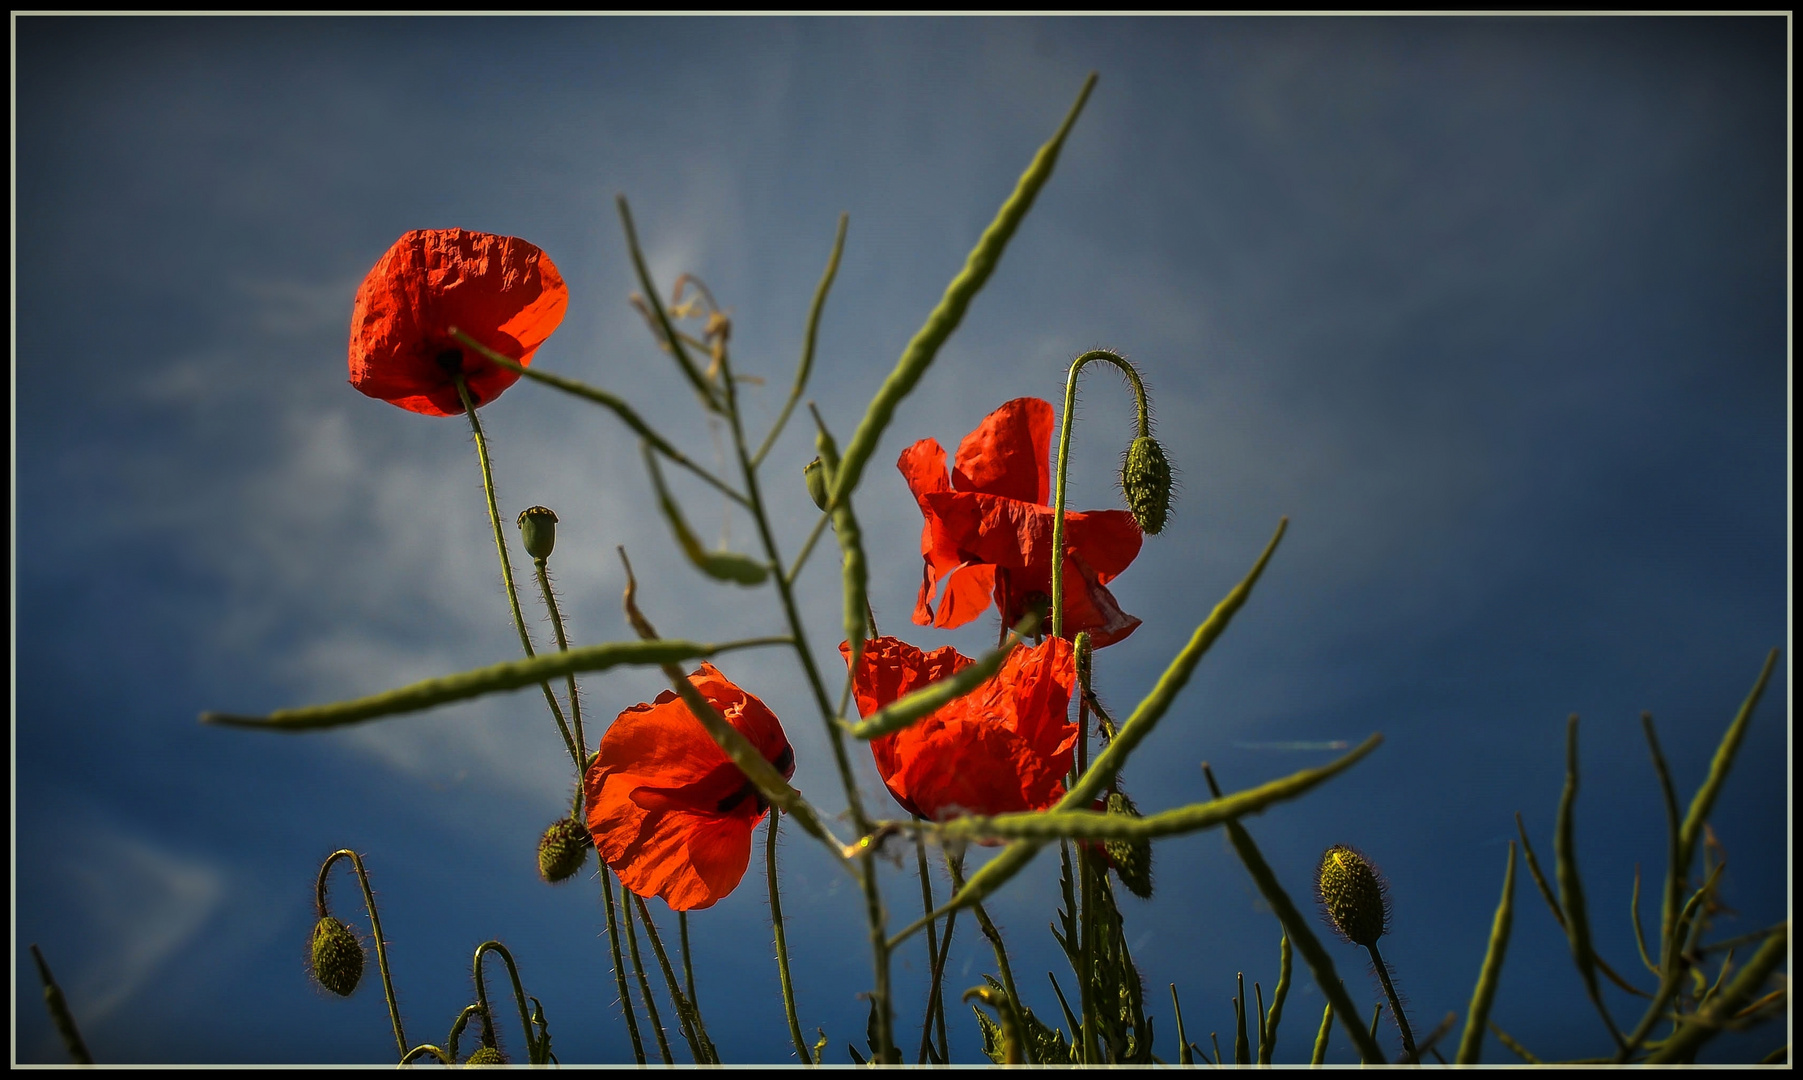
(814,472)
(1085,657)
(337,956)
(562,851)
(1146,481)
(538,528)
(487,1055)
(1132,859)
(1354,895)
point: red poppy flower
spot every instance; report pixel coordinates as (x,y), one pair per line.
(667,809)
(1005,747)
(988,530)
(499,290)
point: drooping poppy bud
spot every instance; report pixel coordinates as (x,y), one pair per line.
(538,530)
(814,473)
(337,956)
(1131,859)
(487,1055)
(1354,895)
(562,851)
(1146,481)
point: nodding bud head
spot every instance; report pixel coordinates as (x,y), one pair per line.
(1132,859)
(538,528)
(487,1055)
(562,851)
(1354,895)
(814,472)
(1146,481)
(337,956)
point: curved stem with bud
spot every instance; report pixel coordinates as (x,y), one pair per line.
(375,925)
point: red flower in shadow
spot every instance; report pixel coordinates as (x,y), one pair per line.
(667,809)
(1005,747)
(989,530)
(500,290)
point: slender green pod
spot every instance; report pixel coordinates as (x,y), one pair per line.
(73,1043)
(1282,991)
(1490,975)
(1704,801)
(806,365)
(856,572)
(510,675)
(1320,1053)
(1185,1056)
(719,565)
(1668,908)
(672,339)
(940,323)
(1242,1054)
(1698,1029)
(912,707)
(1571,886)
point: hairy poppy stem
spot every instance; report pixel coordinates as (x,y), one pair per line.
(956,866)
(375,925)
(1402,1021)
(563,646)
(685,1012)
(613,940)
(638,968)
(513,596)
(1064,447)
(782,943)
(926,902)
(519,995)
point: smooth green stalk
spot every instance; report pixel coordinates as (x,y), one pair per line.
(703,389)
(686,1012)
(1089,1052)
(533,1053)
(1185,1056)
(782,944)
(1571,887)
(1258,996)
(806,367)
(513,595)
(956,866)
(1064,447)
(1300,933)
(1514,1047)
(1269,1037)
(638,968)
(1320,1053)
(1646,958)
(1704,801)
(608,401)
(688,982)
(563,646)
(936,991)
(1699,1028)
(1668,908)
(921,703)
(1409,1052)
(509,675)
(944,319)
(807,548)
(375,926)
(720,565)
(926,905)
(73,1043)
(1490,975)
(1242,1054)
(1377,1015)
(613,941)
(855,576)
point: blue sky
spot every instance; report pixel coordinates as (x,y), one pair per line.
(1494,310)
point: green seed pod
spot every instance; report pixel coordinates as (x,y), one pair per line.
(1084,650)
(562,851)
(337,956)
(1132,859)
(487,1055)
(814,472)
(1354,895)
(1146,481)
(538,528)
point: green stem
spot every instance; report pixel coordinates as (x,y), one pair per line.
(613,940)
(691,1029)
(519,994)
(782,944)
(1320,1054)
(375,925)
(1064,447)
(1278,995)
(956,866)
(1471,1045)
(1402,1021)
(513,596)
(638,968)
(807,347)
(926,905)
(563,646)
(60,1015)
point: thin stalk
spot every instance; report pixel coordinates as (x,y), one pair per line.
(1089,1054)
(513,596)
(688,982)
(936,993)
(1668,908)
(1320,1054)
(519,994)
(1242,1052)
(1064,447)
(1184,1055)
(1278,995)
(691,1023)
(375,925)
(782,943)
(1402,1020)
(613,940)
(926,905)
(1491,973)
(956,866)
(563,646)
(73,1043)
(638,968)
(807,548)
(806,366)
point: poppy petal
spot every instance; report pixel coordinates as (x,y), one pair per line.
(1009,453)
(967,593)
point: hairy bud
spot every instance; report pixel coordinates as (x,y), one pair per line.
(337,956)
(562,851)
(487,1055)
(1146,481)
(1354,895)
(538,529)
(1132,859)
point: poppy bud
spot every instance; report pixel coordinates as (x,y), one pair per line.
(562,851)
(1132,859)
(538,528)
(1354,895)
(487,1055)
(1146,481)
(337,956)
(814,472)
(1085,651)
